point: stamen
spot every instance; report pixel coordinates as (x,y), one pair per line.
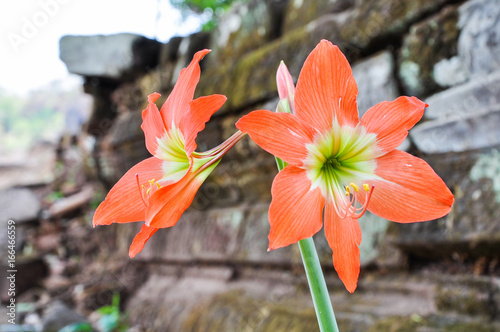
(348,208)
(139,188)
(365,206)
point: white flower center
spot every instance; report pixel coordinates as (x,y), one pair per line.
(340,158)
(173,153)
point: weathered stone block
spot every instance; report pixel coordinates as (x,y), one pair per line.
(427,43)
(375,80)
(300,12)
(373,21)
(457,134)
(113,56)
(479,42)
(245,27)
(450,72)
(253,241)
(475,96)
(199,235)
(19,205)
(468,296)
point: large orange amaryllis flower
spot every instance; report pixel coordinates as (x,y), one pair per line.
(159,189)
(340,164)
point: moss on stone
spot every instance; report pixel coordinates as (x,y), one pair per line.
(427,43)
(384,19)
(236,311)
(417,323)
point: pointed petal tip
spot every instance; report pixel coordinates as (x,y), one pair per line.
(201,54)
(153,97)
(351,288)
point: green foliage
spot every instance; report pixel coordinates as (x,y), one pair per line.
(54,196)
(213,9)
(37,116)
(111,319)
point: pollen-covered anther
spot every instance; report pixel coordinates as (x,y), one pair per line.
(348,208)
(347,190)
(144,192)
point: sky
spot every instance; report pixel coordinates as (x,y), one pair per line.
(30,31)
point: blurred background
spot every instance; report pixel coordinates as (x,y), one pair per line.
(74,77)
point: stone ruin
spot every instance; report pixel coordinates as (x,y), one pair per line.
(212,272)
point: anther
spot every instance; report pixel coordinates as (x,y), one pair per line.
(366,187)
(347,191)
(355,187)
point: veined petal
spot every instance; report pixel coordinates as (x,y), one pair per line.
(281,134)
(140,240)
(177,103)
(295,212)
(326,89)
(344,237)
(200,111)
(391,120)
(408,190)
(168,203)
(124,202)
(152,124)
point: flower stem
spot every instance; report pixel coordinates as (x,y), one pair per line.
(317,286)
(316,280)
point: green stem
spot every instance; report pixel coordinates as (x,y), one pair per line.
(317,285)
(316,280)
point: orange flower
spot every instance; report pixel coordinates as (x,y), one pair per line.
(159,189)
(341,164)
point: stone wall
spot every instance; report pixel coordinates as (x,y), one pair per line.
(211,272)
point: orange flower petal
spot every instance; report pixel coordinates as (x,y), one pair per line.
(123,202)
(281,134)
(140,240)
(200,111)
(168,203)
(409,190)
(391,120)
(326,89)
(296,210)
(152,124)
(177,103)
(344,237)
